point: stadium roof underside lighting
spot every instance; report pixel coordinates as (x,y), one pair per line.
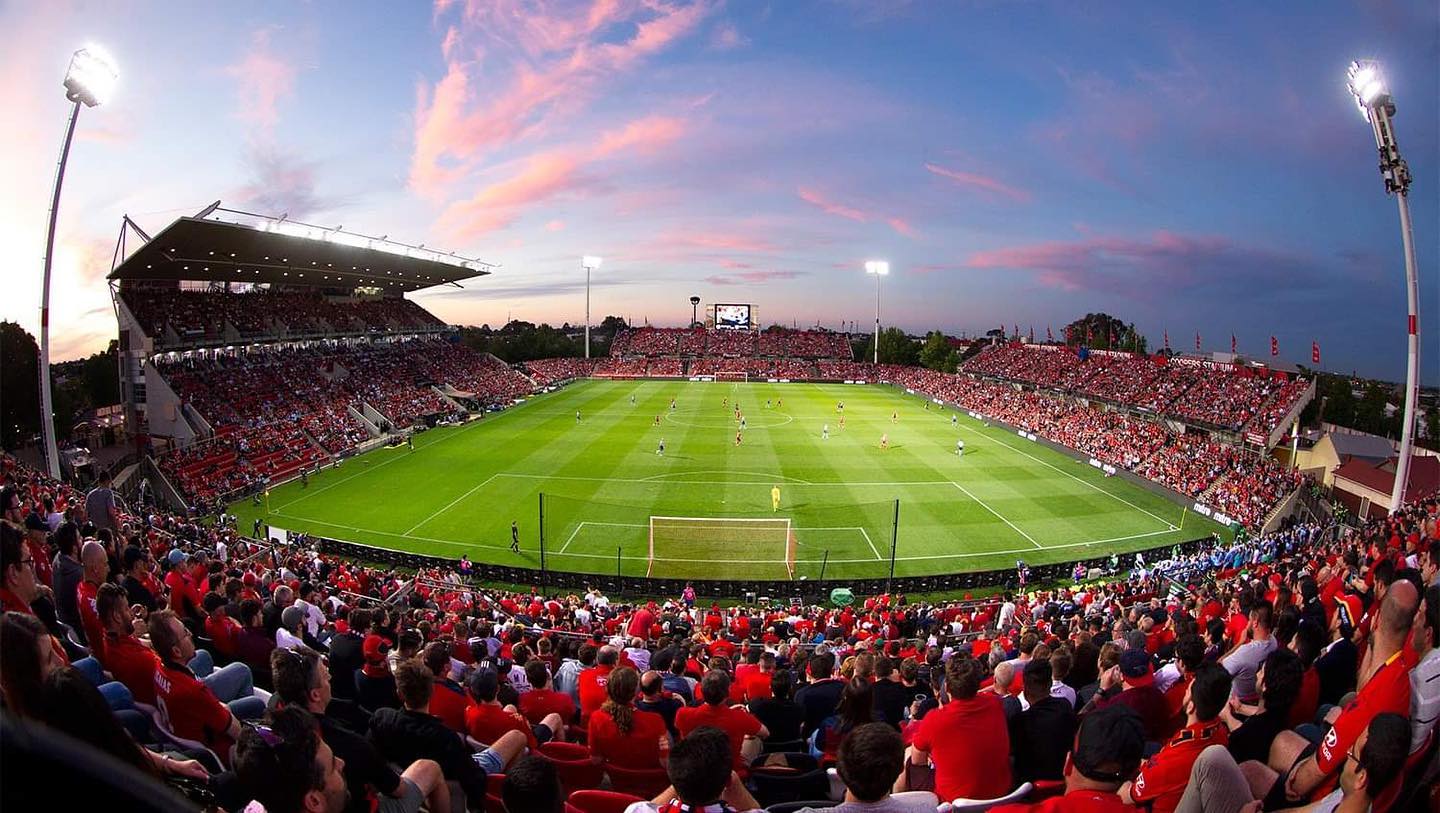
(281,252)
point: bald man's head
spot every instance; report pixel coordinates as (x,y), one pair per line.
(93,559)
(1397,611)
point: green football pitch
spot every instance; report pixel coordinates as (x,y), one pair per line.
(603,485)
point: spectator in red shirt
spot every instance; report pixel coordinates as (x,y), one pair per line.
(966,739)
(756,684)
(487,721)
(1307,771)
(97,567)
(1189,654)
(622,734)
(737,723)
(1163,777)
(592,681)
(220,628)
(542,701)
(187,705)
(128,659)
(1107,752)
(449,701)
(184,600)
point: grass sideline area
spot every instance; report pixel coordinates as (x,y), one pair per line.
(602,479)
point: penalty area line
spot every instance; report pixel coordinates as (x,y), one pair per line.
(1002,518)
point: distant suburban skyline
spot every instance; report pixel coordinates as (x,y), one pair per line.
(1193,169)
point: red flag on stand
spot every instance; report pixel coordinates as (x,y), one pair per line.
(1049,337)
(1167,340)
(1315,352)
(1232,343)
(1274,346)
(1197,340)
(1032,334)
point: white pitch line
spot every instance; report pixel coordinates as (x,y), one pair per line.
(1017,450)
(873,550)
(1012,525)
(472,545)
(770,479)
(451,504)
(573,534)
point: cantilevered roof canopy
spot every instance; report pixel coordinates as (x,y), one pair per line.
(260,249)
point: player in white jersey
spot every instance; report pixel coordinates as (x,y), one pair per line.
(825,432)
(959,448)
(661,449)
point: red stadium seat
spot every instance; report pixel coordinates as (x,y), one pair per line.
(599,801)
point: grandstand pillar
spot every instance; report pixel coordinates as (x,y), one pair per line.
(47,416)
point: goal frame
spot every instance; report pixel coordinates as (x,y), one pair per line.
(742,376)
(791,545)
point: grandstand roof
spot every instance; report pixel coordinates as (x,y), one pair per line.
(276,251)
(1424,478)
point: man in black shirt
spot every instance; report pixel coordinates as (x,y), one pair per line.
(302,679)
(781,715)
(821,698)
(891,696)
(654,698)
(134,584)
(411,733)
(1041,735)
(346,656)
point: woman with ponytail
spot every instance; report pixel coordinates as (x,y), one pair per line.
(622,734)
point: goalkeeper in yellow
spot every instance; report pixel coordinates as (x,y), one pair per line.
(775,498)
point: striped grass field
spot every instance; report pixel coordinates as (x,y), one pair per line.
(602,481)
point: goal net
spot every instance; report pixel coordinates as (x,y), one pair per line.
(732,376)
(722,541)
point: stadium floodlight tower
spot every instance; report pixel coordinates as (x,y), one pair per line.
(89,80)
(694,310)
(589,263)
(877,268)
(1367,83)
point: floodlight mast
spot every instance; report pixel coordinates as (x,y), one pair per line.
(589,263)
(877,268)
(1367,83)
(89,80)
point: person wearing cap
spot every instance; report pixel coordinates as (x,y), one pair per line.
(220,628)
(1107,752)
(36,532)
(289,635)
(374,684)
(1163,777)
(1132,683)
(184,599)
(347,653)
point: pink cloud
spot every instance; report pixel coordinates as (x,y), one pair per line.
(542,177)
(1160,265)
(643,135)
(734,265)
(830,207)
(264,80)
(971,179)
(751,277)
(568,61)
(902,226)
(726,37)
(555,225)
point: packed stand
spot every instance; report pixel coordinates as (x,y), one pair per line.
(1284,669)
(546,372)
(1275,411)
(1226,401)
(202,317)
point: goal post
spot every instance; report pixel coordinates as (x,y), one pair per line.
(758,541)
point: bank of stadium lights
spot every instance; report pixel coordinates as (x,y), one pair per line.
(1366,82)
(878,269)
(293,229)
(90,80)
(589,262)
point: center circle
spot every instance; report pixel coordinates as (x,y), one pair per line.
(766,420)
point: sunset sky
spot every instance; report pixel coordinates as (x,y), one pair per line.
(1016,163)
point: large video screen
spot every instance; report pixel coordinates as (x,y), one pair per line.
(732,317)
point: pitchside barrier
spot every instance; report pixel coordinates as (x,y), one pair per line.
(807,590)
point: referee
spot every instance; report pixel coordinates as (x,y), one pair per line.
(514,537)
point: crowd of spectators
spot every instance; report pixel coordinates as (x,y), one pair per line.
(1292,668)
(1219,396)
(545,372)
(699,342)
(237,459)
(179,317)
